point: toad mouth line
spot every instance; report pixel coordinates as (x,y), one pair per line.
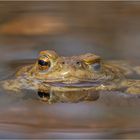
(75,85)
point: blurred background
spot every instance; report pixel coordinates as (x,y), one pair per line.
(109,29)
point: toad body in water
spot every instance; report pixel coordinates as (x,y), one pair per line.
(73,79)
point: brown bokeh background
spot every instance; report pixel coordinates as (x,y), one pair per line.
(110,29)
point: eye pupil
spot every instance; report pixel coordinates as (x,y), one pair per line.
(96,66)
(43,63)
(77,62)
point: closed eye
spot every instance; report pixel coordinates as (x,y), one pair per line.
(96,66)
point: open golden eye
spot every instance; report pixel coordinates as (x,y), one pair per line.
(44,64)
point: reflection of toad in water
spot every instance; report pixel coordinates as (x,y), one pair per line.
(73,79)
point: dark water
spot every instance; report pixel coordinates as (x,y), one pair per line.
(110,29)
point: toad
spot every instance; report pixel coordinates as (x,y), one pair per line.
(73,79)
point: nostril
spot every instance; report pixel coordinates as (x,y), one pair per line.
(63,62)
(77,62)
